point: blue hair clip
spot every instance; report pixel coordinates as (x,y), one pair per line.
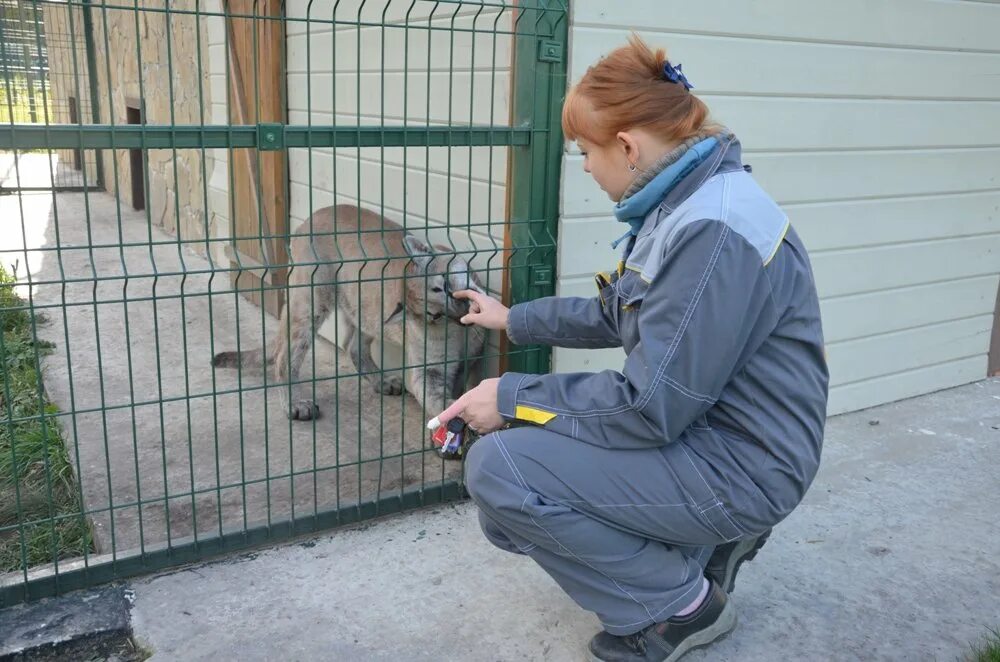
(675,75)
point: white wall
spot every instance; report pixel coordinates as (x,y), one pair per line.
(876,125)
(217,164)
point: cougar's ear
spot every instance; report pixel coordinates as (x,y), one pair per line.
(467,279)
(418,250)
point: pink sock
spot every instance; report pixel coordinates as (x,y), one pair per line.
(697,601)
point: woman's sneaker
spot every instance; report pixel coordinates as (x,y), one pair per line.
(727,559)
(668,641)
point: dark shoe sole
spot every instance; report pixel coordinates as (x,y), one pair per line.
(717,631)
(746,550)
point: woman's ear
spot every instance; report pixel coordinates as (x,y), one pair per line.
(629,146)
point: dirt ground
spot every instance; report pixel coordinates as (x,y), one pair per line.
(163,441)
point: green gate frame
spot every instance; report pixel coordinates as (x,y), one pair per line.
(536,142)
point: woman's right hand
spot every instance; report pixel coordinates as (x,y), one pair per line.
(484,311)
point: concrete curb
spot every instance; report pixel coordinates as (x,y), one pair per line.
(67,627)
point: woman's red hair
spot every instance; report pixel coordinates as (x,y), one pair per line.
(627,90)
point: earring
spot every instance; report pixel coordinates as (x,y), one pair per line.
(631,167)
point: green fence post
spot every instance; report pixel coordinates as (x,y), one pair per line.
(539,88)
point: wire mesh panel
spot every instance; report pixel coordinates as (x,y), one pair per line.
(240,336)
(42,86)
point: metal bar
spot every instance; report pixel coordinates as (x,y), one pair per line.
(45,189)
(211,279)
(47,430)
(99,136)
(319,21)
(147,199)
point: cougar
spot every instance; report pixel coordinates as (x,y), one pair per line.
(354,260)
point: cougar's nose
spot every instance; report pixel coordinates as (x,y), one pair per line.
(460,305)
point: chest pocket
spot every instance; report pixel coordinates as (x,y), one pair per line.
(631,292)
(606,291)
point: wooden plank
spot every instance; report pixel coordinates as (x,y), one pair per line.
(873,314)
(458,164)
(584,244)
(866,270)
(829,226)
(843,398)
(795,177)
(792,177)
(259,178)
(909,23)
(784,68)
(433,196)
(888,388)
(839,124)
(870,269)
(851,317)
(463,96)
(867,358)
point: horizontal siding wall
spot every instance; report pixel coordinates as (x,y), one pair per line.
(875,125)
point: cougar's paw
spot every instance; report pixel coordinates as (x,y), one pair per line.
(390,385)
(303,410)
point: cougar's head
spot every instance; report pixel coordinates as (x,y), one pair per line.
(438,277)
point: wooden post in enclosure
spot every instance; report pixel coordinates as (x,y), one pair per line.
(259,178)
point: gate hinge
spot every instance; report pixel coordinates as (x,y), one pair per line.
(270,137)
(550,51)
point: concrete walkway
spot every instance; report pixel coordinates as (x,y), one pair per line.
(892,556)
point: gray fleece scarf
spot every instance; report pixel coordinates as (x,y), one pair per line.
(670,158)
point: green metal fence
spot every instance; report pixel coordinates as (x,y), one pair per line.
(33,94)
(153,315)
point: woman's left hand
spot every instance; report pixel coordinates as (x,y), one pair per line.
(478,407)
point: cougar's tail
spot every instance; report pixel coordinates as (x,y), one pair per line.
(251,358)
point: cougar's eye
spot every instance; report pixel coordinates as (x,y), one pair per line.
(436,289)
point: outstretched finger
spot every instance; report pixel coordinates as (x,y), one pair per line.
(451,412)
(476,297)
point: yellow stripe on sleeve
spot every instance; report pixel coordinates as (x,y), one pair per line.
(533,415)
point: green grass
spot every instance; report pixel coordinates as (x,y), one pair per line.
(987,650)
(19,106)
(39,505)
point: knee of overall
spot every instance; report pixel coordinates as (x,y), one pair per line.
(482,465)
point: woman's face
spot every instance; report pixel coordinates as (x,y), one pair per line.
(608,165)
